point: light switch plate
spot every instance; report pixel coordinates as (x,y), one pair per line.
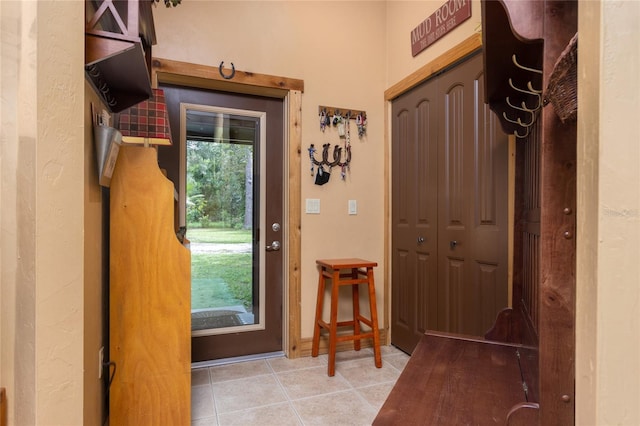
(312,206)
(353,207)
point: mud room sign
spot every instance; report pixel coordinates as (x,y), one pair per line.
(444,19)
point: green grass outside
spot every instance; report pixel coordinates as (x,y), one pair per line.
(219,235)
(220,279)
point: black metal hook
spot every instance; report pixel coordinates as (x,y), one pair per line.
(230,76)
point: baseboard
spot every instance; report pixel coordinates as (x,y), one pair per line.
(323,348)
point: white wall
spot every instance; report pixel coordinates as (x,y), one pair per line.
(41,196)
(608,267)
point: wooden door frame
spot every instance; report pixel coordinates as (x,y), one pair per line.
(458,52)
(290,90)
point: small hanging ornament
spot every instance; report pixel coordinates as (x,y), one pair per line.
(312,151)
(323,120)
(361,122)
(344,166)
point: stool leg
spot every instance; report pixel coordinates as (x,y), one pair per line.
(319,306)
(355,294)
(333,321)
(374,318)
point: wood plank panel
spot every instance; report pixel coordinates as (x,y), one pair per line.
(557,235)
(204,76)
(292,284)
(150,297)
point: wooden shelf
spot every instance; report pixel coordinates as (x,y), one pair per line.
(118,39)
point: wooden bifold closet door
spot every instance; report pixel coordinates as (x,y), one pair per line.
(449,208)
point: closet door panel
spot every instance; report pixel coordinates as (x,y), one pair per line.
(455,200)
(473,201)
(414,216)
(449,208)
(453,160)
(427,215)
(403,313)
(489,232)
(403,214)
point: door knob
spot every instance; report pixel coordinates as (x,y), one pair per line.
(421,240)
(453,244)
(275,246)
(275,227)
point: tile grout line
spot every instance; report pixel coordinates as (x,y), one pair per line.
(216,412)
(286,394)
(301,371)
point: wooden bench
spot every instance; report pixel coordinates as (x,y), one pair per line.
(459,380)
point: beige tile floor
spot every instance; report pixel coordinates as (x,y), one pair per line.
(281,391)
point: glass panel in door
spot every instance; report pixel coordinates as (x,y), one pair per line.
(222,216)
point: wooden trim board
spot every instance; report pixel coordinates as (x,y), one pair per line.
(468,46)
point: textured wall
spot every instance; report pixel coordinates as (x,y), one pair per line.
(42,211)
(608,271)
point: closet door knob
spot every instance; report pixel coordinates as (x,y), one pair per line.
(421,240)
(453,244)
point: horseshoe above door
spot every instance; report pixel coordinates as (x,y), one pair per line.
(230,76)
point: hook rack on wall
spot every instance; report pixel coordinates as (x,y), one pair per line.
(513,89)
(525,116)
(336,116)
(344,112)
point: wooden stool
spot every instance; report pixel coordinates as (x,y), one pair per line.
(330,269)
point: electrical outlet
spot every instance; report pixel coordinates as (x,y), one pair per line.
(100,362)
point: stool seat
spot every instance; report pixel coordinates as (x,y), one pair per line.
(360,272)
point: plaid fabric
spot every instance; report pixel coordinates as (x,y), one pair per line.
(148,119)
